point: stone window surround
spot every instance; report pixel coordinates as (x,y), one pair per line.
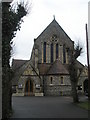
(61,80)
(48,45)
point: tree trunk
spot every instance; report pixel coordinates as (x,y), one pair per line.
(74,92)
(6,93)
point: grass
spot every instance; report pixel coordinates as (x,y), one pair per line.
(85,105)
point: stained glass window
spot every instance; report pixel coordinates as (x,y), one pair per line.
(56,50)
(44,52)
(64,54)
(52,53)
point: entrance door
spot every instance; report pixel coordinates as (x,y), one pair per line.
(29,88)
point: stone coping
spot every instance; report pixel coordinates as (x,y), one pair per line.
(39,94)
(22,94)
(18,94)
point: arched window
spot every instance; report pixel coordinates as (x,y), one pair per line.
(57,51)
(52,53)
(44,52)
(51,79)
(64,54)
(61,80)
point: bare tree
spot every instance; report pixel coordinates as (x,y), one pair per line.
(73,71)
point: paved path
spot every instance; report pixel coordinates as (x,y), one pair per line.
(46,107)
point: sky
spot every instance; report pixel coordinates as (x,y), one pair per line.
(72,15)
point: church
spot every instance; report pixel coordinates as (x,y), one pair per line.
(46,73)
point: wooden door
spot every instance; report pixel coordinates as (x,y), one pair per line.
(29,88)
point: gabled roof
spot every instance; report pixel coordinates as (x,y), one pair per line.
(16,63)
(57,68)
(54,28)
(79,64)
(43,68)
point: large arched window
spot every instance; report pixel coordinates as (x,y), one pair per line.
(57,51)
(44,52)
(64,54)
(52,53)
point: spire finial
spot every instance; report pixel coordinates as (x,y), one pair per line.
(54,17)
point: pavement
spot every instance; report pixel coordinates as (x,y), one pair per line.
(47,107)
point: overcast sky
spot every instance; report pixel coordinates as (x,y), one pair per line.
(72,15)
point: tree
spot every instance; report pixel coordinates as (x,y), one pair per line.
(11,21)
(73,71)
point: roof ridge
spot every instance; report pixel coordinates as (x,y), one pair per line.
(45,29)
(59,71)
(20,65)
(20,60)
(54,20)
(51,66)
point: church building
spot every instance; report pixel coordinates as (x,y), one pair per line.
(46,73)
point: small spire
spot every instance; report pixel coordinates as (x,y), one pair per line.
(54,17)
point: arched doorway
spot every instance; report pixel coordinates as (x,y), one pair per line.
(29,88)
(85,84)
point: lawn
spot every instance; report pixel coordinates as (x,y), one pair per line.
(85,105)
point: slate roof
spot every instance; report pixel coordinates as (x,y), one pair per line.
(16,63)
(57,68)
(43,68)
(18,66)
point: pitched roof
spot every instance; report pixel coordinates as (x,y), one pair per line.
(16,63)
(55,28)
(57,68)
(18,66)
(43,68)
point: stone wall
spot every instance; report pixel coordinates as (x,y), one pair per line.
(47,36)
(40,46)
(57,88)
(22,81)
